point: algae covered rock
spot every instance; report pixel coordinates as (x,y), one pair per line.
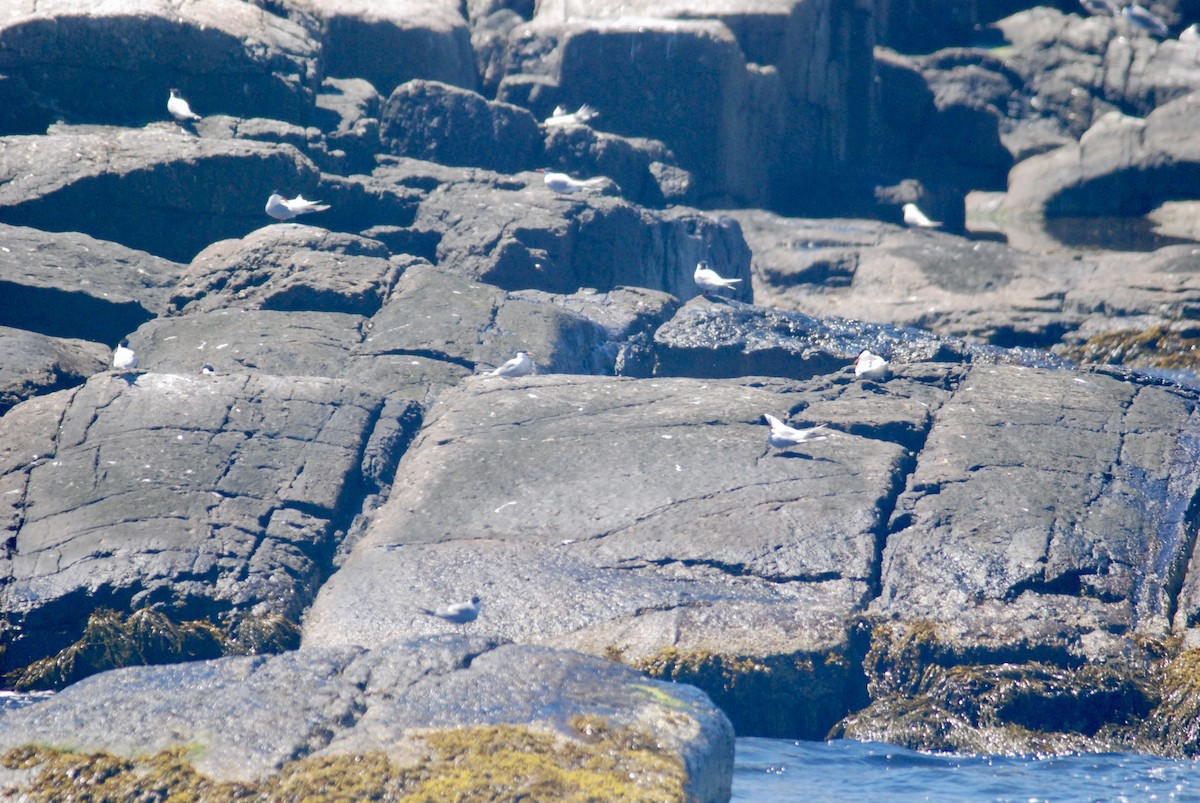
(439,718)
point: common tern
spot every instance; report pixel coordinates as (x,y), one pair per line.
(460,613)
(281,208)
(562,117)
(870,366)
(179,108)
(914,217)
(1147,20)
(123,358)
(520,365)
(781,436)
(563,184)
(708,280)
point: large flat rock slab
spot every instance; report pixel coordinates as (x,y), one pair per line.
(203,495)
(276,723)
(639,518)
(1049,508)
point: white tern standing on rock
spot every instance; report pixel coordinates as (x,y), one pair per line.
(562,117)
(123,357)
(563,184)
(281,208)
(781,436)
(870,366)
(709,280)
(913,216)
(460,613)
(520,365)
(179,108)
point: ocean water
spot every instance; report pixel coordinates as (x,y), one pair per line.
(779,770)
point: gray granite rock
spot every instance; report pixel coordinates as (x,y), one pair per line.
(982,291)
(418,118)
(518,235)
(1062,498)
(728,339)
(33,365)
(394,43)
(204,494)
(477,326)
(248,719)
(71,285)
(290,266)
(1122,166)
(521,491)
(1079,68)
(645,170)
(225,56)
(55,183)
(730,89)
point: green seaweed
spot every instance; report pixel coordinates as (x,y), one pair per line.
(500,763)
(790,695)
(1154,347)
(147,636)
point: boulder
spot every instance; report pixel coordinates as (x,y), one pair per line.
(287,266)
(71,285)
(1121,167)
(421,718)
(238,341)
(203,495)
(32,364)
(348,113)
(1078,489)
(442,123)
(309,140)
(391,43)
(517,234)
(436,329)
(164,190)
(447,317)
(223,55)
(644,169)
(689,77)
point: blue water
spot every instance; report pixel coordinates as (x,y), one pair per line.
(782,770)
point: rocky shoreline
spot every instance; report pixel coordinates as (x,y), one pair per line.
(221,557)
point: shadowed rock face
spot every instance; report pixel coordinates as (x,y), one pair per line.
(991,550)
(226,56)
